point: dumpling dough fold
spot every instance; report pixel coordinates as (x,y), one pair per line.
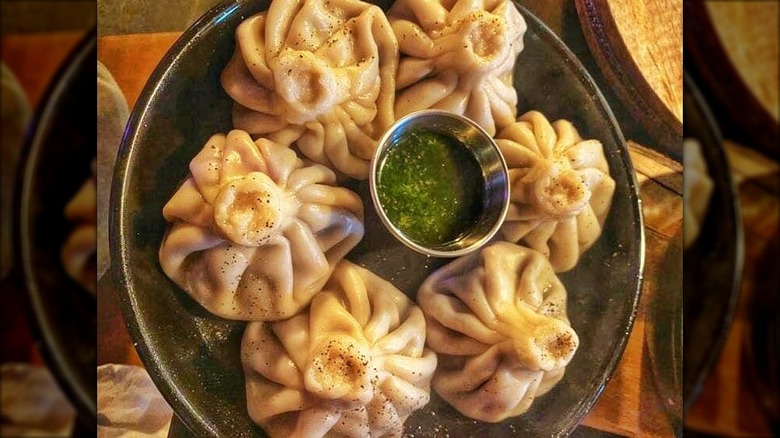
(560,188)
(458,55)
(497,320)
(320,73)
(254,233)
(352,365)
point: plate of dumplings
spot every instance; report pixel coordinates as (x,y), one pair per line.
(262,290)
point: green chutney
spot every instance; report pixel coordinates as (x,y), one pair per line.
(431,187)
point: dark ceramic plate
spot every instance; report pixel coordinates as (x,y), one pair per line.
(193,356)
(55,164)
(713,263)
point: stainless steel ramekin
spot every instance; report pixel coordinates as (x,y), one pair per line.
(494,170)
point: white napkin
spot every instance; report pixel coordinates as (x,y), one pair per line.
(129,405)
(32,404)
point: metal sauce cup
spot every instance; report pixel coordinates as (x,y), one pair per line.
(494,171)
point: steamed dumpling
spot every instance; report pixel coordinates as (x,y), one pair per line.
(254,232)
(320,72)
(352,365)
(697,188)
(459,56)
(79,253)
(560,188)
(497,320)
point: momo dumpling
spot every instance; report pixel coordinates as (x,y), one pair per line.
(79,253)
(459,56)
(352,365)
(697,190)
(497,321)
(560,188)
(254,232)
(319,73)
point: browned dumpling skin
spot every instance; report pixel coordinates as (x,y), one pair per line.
(560,188)
(352,365)
(319,73)
(459,56)
(254,232)
(79,252)
(497,320)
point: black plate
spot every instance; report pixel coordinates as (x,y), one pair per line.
(193,356)
(55,163)
(712,265)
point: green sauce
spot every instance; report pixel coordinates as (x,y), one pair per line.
(431,187)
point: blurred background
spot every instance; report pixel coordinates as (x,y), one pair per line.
(37,40)
(731,53)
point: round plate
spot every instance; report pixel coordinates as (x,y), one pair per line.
(194,357)
(713,263)
(64,314)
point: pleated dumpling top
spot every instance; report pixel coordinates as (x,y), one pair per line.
(354,364)
(497,320)
(255,233)
(320,74)
(459,56)
(560,188)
